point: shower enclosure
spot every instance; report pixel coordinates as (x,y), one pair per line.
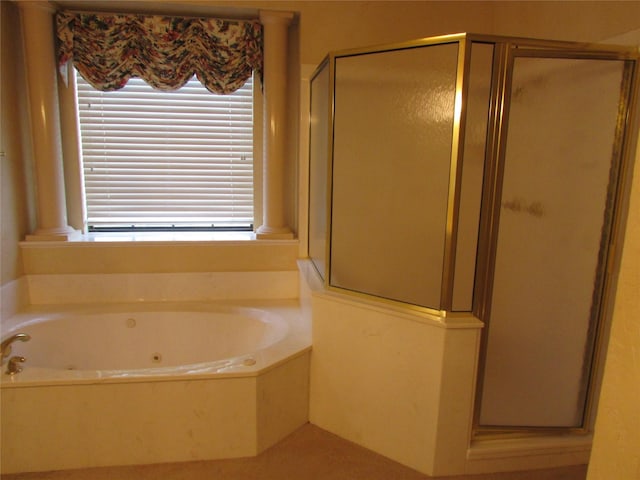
(485,176)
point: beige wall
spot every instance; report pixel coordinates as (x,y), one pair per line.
(616,447)
(580,21)
(336,25)
(17,209)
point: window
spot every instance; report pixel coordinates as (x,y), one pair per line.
(159,160)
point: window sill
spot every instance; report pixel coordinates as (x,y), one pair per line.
(159,252)
(165,237)
(154,237)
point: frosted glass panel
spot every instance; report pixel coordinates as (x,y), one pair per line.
(552,222)
(392,147)
(318,164)
(475,140)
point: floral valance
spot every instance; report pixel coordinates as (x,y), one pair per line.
(108,49)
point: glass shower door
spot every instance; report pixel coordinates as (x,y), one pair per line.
(556,197)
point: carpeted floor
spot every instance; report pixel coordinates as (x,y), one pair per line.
(310,453)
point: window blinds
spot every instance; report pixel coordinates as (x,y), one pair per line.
(180,159)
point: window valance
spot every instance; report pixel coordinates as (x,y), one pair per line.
(166,51)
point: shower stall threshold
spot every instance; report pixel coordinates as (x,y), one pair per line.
(509,453)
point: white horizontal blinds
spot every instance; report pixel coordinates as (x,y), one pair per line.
(162,159)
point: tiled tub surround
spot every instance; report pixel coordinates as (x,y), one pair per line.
(237,406)
(116,269)
(48,289)
(59,419)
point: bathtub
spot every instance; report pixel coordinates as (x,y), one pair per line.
(122,384)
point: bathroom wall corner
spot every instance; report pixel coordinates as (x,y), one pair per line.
(457,392)
(375,379)
(14,296)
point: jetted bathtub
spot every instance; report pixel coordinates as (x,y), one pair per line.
(146,383)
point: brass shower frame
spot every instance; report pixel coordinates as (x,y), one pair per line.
(463,60)
(618,189)
(505,50)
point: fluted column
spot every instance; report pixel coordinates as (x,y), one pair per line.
(38,35)
(275,24)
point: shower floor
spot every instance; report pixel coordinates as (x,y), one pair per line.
(308,453)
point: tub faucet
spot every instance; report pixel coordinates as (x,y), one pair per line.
(5,346)
(14,366)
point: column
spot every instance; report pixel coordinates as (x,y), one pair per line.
(275,24)
(40,60)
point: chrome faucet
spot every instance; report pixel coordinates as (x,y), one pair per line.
(5,346)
